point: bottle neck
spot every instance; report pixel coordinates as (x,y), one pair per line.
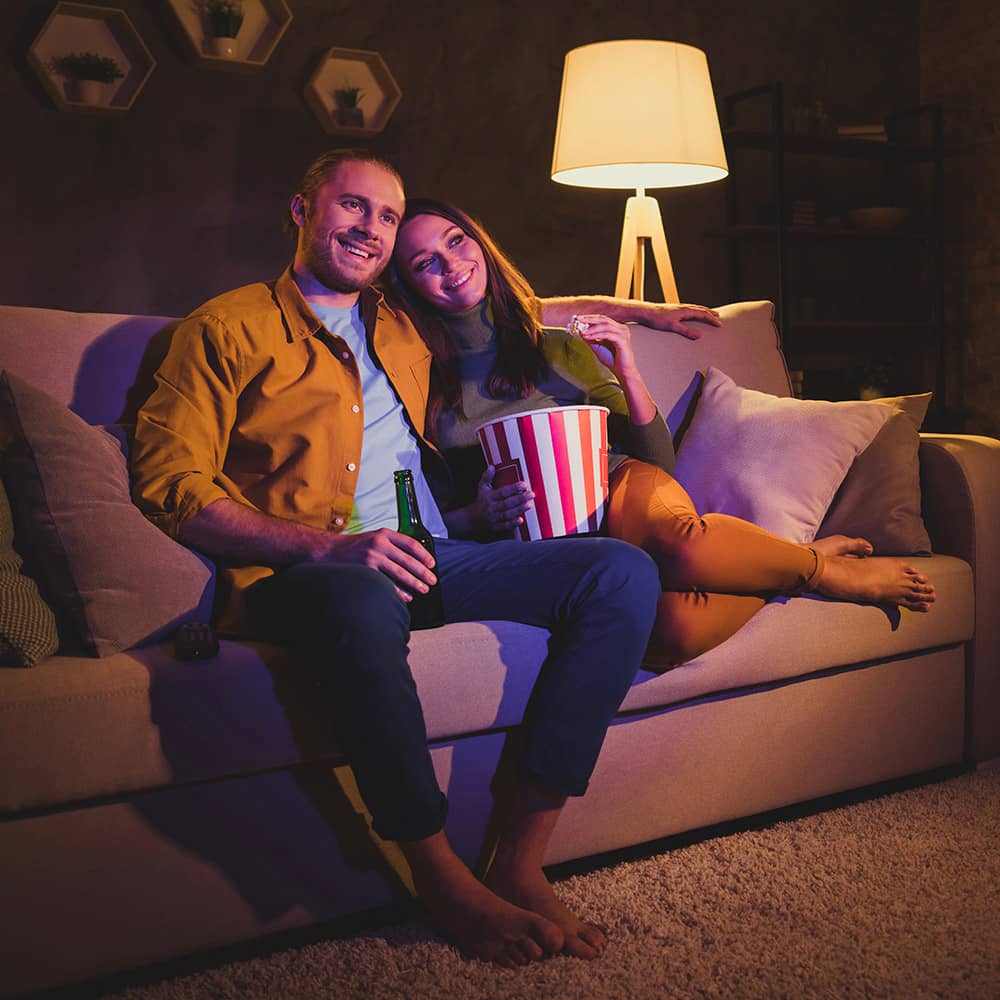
(407,510)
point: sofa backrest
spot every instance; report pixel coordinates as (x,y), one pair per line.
(746,347)
(97,364)
(101,364)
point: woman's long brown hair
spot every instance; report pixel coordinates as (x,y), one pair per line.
(520,365)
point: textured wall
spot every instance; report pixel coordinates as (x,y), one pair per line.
(960,69)
(156,209)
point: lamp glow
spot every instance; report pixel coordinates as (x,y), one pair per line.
(638,114)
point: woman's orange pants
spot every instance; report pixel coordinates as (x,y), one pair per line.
(716,571)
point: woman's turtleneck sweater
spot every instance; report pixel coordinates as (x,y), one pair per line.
(575,377)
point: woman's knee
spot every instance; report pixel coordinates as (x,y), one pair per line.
(651,509)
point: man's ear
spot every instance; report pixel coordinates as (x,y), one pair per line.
(299,208)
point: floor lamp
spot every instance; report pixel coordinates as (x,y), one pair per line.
(638,114)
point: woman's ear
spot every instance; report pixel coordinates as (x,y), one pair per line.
(299,208)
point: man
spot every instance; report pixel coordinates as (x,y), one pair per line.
(280,413)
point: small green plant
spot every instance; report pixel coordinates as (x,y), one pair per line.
(87,66)
(874,373)
(225,16)
(348,96)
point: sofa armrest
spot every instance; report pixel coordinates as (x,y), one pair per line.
(960,495)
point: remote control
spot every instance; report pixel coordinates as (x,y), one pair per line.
(195,641)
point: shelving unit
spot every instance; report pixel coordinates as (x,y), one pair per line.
(340,68)
(107,31)
(264,24)
(845,297)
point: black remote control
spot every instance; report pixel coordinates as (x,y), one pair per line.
(195,641)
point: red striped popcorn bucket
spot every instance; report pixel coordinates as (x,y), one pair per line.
(562,454)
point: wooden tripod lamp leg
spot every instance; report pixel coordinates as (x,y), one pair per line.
(630,249)
(643,222)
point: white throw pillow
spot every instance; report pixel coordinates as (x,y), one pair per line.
(776,461)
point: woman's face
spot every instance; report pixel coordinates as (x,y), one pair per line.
(442,263)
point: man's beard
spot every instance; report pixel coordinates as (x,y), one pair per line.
(320,256)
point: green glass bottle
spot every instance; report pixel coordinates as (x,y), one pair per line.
(426,610)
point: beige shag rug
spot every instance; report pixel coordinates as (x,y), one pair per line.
(895,897)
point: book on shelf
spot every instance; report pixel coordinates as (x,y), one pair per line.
(874,133)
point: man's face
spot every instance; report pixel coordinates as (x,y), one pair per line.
(347,229)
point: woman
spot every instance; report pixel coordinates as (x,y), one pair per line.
(482,322)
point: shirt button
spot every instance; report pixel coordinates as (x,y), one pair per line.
(355,408)
(351,466)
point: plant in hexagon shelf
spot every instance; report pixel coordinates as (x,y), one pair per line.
(349,112)
(88,73)
(225,18)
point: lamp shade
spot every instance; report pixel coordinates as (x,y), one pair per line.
(637,113)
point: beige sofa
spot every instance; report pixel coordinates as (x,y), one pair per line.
(152,808)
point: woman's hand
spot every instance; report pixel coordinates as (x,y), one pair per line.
(497,510)
(610,341)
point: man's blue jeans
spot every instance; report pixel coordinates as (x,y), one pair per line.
(597,596)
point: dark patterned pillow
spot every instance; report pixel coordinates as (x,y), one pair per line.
(28,630)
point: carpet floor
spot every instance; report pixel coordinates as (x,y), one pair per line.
(895,897)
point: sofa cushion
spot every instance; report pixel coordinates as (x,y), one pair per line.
(747,346)
(775,461)
(114,578)
(880,497)
(254,708)
(27,624)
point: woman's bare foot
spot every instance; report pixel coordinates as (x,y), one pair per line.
(842,545)
(473,917)
(876,581)
(532,890)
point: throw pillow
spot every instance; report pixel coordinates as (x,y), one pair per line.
(776,461)
(27,625)
(115,578)
(880,498)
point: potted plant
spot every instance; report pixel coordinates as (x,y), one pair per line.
(88,74)
(349,113)
(225,18)
(872,380)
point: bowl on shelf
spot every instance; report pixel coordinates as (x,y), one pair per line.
(878,217)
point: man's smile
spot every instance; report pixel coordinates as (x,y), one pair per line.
(356,249)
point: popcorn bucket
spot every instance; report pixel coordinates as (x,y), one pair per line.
(562,454)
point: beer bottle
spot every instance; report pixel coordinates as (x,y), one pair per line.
(426,610)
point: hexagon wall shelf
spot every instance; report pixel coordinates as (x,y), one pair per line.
(80,27)
(344,68)
(264,22)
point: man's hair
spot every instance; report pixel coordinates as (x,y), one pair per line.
(520,365)
(320,169)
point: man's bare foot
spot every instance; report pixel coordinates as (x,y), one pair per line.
(842,545)
(476,919)
(876,581)
(529,888)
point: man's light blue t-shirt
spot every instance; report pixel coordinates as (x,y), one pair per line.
(389,442)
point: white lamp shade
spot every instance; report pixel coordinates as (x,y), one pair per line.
(637,114)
